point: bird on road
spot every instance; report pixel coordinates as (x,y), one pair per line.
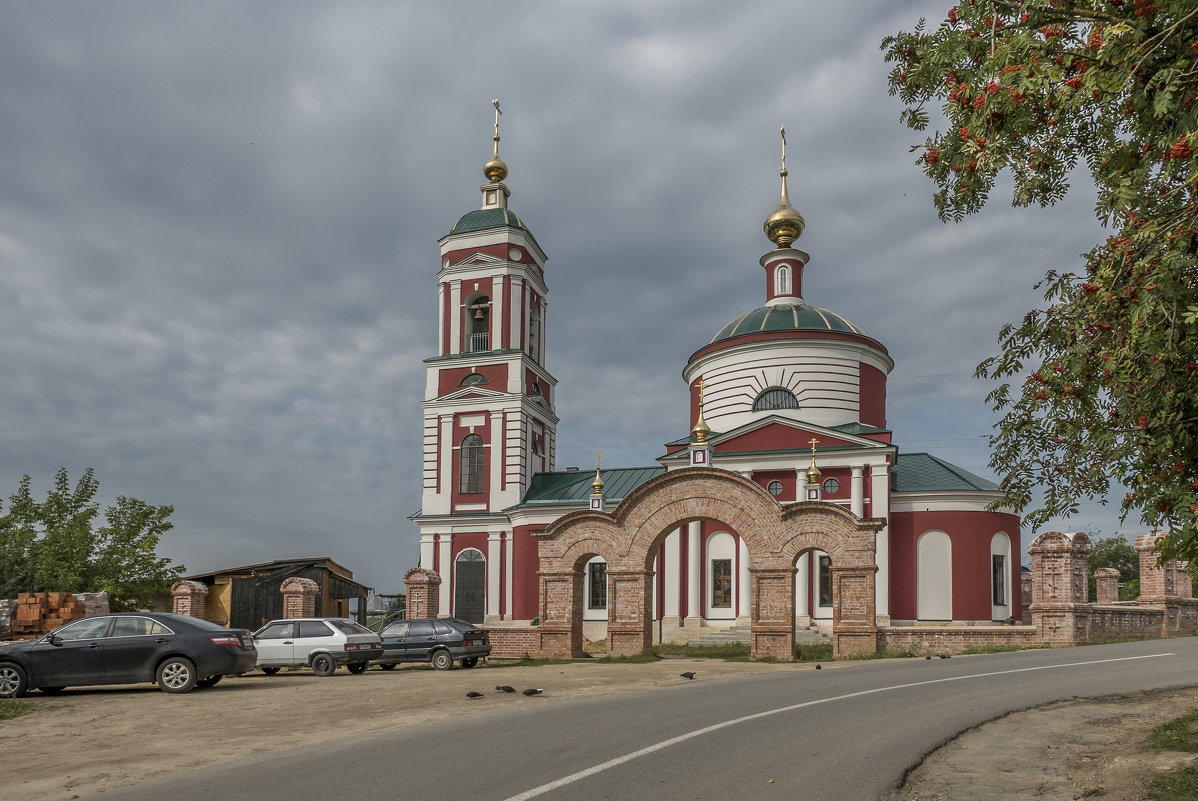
(537,691)
(473,695)
(503,688)
(819,666)
(687,675)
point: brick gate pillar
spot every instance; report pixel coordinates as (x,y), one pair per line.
(1154,579)
(424,592)
(189,598)
(854,621)
(560,631)
(299,597)
(629,600)
(1106,579)
(1059,587)
(773,612)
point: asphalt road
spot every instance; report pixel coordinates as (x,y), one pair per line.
(850,732)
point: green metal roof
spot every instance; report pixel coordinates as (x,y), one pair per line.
(548,489)
(922,472)
(786,317)
(482,219)
(859,429)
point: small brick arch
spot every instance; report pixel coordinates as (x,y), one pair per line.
(628,538)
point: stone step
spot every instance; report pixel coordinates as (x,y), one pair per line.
(743,635)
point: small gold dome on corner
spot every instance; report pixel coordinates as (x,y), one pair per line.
(701,430)
(813,474)
(785,224)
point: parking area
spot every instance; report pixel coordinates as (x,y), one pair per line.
(107,737)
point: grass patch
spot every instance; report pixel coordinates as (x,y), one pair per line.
(1179,786)
(730,651)
(525,661)
(628,658)
(11,708)
(814,653)
(1179,734)
(1001,649)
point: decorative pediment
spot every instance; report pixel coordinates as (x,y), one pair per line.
(475,260)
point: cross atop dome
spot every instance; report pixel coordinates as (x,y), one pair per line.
(495,194)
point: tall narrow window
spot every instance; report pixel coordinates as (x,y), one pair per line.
(470,475)
(534,331)
(783,280)
(825,581)
(598,580)
(998,572)
(721,583)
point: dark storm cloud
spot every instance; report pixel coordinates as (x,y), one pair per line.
(218,229)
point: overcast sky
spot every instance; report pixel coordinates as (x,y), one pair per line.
(219,225)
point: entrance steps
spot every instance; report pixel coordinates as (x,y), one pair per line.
(743,635)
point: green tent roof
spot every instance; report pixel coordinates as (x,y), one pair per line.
(922,472)
(482,219)
(572,486)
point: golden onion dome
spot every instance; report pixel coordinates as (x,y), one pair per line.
(785,224)
(495,169)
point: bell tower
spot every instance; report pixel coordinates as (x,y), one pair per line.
(489,421)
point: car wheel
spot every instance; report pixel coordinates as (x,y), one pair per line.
(13,681)
(357,667)
(51,690)
(442,660)
(177,675)
(270,671)
(388,666)
(469,661)
(323,665)
(211,681)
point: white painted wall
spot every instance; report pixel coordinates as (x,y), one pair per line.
(1000,545)
(934,576)
(719,546)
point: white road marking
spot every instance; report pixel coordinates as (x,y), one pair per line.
(611,763)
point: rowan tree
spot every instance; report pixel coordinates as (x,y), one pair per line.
(1099,387)
(57,546)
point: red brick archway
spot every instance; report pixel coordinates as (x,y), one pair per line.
(773,535)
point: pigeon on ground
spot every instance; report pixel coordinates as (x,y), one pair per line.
(945,656)
(503,688)
(819,666)
(687,675)
(929,656)
(474,695)
(537,691)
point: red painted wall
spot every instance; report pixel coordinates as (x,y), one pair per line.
(525,564)
(777,436)
(873,396)
(449,378)
(970,534)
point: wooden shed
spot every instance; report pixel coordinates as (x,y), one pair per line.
(248,596)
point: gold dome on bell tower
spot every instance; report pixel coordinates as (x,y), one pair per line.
(495,169)
(785,224)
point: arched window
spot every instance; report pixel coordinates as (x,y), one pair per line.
(473,380)
(470,473)
(479,324)
(783,280)
(775,398)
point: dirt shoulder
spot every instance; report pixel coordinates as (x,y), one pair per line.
(1067,750)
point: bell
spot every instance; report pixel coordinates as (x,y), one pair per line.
(478,313)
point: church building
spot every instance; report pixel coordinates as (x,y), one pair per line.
(788,396)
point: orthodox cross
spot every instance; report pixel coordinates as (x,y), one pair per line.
(495,103)
(783,129)
(814,442)
(598,459)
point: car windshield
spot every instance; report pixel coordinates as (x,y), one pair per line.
(350,627)
(197,622)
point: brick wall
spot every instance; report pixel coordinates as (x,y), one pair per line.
(514,643)
(934,640)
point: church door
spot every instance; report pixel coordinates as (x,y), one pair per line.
(470,586)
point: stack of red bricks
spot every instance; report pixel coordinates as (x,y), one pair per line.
(43,611)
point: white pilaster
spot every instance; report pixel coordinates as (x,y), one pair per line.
(673,572)
(857,496)
(519,312)
(497,318)
(743,611)
(427,546)
(455,316)
(803,587)
(496,461)
(507,575)
(446,573)
(880,507)
(494,559)
(447,443)
(543,351)
(694,569)
(442,341)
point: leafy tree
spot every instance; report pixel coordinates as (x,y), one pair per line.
(55,546)
(1118,553)
(1098,387)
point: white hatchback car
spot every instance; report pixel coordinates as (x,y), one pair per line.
(320,642)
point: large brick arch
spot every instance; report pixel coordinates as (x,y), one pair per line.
(773,536)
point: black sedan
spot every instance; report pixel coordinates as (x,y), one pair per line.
(176,652)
